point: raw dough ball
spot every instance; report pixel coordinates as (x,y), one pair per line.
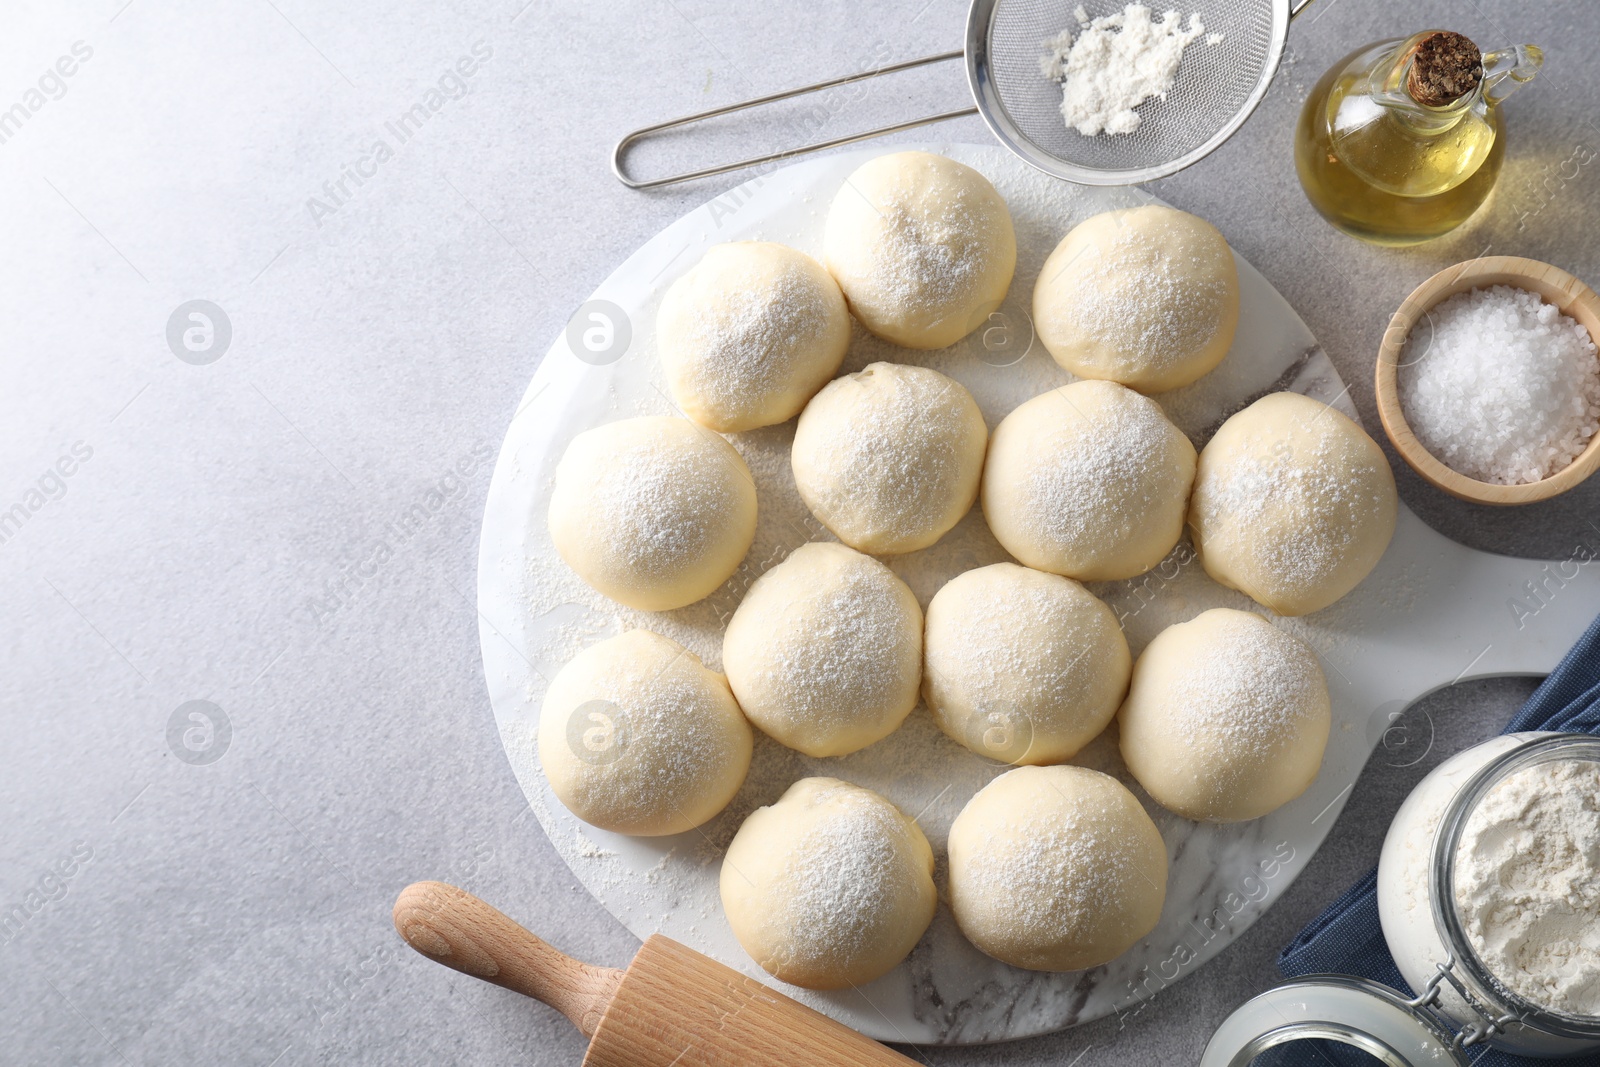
(1146,296)
(1293,504)
(825,652)
(922,247)
(830,887)
(889,458)
(1056,869)
(636,736)
(1090,480)
(655,512)
(1022,666)
(750,334)
(1226,718)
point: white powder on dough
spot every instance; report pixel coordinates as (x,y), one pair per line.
(1501,386)
(747,345)
(1034,652)
(668,720)
(1056,879)
(846,882)
(1528,884)
(840,653)
(1116,63)
(665,505)
(1157,298)
(1255,698)
(930,259)
(904,444)
(1087,486)
(1258,488)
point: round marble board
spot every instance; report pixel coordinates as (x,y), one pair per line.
(1433,612)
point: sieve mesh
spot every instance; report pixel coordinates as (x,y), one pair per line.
(1216,88)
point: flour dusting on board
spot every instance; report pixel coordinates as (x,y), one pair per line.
(536,606)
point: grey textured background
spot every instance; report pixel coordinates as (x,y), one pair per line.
(290,531)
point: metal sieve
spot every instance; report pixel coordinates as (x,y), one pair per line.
(1217,87)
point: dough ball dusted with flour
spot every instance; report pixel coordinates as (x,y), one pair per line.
(749,334)
(637,737)
(825,651)
(1022,666)
(654,512)
(832,886)
(1090,480)
(1145,296)
(889,458)
(1227,717)
(922,246)
(1293,504)
(1056,869)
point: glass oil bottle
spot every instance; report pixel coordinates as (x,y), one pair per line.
(1402,140)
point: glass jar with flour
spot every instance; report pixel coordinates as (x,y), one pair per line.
(1489,897)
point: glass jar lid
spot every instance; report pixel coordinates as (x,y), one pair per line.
(1394,1030)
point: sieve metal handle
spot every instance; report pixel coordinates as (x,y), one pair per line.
(628,140)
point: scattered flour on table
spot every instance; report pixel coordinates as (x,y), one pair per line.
(1115,63)
(587,848)
(1501,386)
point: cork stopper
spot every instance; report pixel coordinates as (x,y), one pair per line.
(1445,67)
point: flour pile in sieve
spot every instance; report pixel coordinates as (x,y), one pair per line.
(1115,64)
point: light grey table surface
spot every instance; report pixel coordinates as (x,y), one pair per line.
(290,531)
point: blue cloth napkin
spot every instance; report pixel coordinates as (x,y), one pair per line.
(1346,937)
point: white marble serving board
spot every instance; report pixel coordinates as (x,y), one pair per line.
(1433,612)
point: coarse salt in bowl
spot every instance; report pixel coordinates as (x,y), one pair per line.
(1488,380)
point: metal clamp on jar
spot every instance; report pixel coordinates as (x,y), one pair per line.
(1461,1002)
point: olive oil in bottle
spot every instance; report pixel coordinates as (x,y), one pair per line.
(1401,141)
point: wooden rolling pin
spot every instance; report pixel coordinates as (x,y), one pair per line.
(672,1007)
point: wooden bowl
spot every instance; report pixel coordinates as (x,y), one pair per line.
(1555,286)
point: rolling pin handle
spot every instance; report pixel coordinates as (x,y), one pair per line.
(455,928)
